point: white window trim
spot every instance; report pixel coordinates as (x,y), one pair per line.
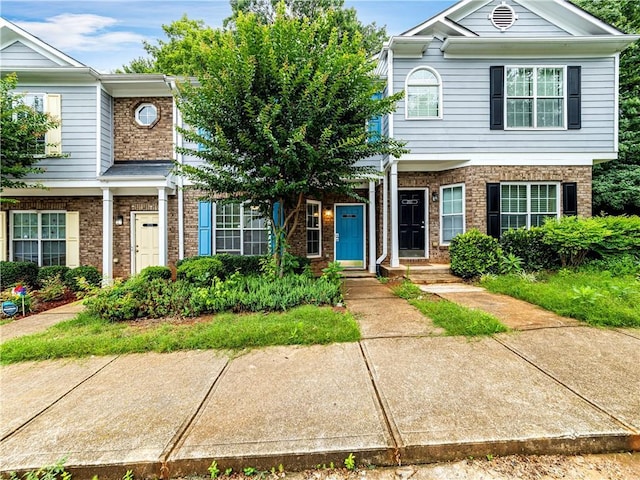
(39,239)
(565,118)
(44,110)
(242,229)
(406,94)
(139,108)
(464,210)
(319,229)
(528,212)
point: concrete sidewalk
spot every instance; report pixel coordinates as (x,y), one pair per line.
(413,396)
(39,322)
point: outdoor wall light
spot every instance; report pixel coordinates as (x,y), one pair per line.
(434,197)
(328,212)
(119,220)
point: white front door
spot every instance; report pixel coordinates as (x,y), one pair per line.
(145,241)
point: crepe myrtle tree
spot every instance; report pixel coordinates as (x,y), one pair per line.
(280,111)
(21,129)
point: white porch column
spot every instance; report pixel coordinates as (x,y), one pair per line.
(107,236)
(395,256)
(163,250)
(372,227)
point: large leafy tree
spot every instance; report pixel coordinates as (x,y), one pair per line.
(616,185)
(20,130)
(172,56)
(279,112)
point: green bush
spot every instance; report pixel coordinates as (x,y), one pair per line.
(529,246)
(53,271)
(623,235)
(200,271)
(151,273)
(89,273)
(246,264)
(473,254)
(52,288)
(12,273)
(573,238)
(616,265)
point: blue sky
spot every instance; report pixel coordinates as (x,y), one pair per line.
(105,34)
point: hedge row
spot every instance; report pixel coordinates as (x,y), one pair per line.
(564,242)
(29,274)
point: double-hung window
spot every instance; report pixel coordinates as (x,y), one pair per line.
(240,230)
(527,204)
(535,97)
(49,143)
(423,94)
(451,212)
(314,225)
(39,237)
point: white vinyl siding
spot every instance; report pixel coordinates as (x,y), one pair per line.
(526,205)
(451,212)
(535,97)
(240,230)
(314,225)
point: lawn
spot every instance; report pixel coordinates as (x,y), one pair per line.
(89,335)
(454,319)
(597,298)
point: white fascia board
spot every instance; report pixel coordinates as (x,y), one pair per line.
(37,45)
(410,47)
(58,75)
(453,160)
(455,12)
(530,47)
(568,17)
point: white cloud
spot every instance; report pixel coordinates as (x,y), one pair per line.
(70,32)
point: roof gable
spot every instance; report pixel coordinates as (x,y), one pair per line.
(14,40)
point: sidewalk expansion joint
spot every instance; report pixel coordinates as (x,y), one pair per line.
(390,426)
(622,332)
(179,436)
(615,419)
(37,414)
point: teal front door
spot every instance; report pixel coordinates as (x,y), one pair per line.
(350,235)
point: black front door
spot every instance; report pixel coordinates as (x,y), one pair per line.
(412,228)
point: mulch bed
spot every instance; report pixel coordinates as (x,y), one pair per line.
(39,306)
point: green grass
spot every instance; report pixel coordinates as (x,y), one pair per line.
(597,298)
(454,319)
(87,335)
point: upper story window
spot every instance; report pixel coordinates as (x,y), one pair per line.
(146,114)
(535,97)
(49,144)
(423,94)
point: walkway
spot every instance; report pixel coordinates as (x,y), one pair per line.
(398,395)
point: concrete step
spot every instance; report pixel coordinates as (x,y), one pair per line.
(426,273)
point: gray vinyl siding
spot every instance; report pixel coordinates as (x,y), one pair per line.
(527,25)
(18,55)
(465,123)
(106,133)
(78,134)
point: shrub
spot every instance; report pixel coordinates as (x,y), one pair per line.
(573,238)
(200,271)
(151,273)
(53,271)
(616,265)
(623,235)
(12,273)
(528,245)
(474,254)
(53,288)
(89,273)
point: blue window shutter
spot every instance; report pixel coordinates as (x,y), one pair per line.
(202,133)
(375,124)
(204,228)
(278,220)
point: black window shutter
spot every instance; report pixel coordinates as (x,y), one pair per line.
(574,108)
(570,199)
(493,209)
(496,98)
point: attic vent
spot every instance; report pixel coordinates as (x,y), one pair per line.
(503,16)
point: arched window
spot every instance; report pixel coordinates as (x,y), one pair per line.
(423,94)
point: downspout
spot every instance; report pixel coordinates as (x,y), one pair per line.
(372,226)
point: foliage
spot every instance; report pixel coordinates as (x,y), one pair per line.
(473,254)
(407,290)
(214,471)
(598,298)
(45,273)
(151,273)
(20,128)
(52,288)
(573,238)
(88,272)
(243,264)
(350,462)
(200,272)
(51,472)
(90,335)
(13,273)
(616,185)
(28,300)
(528,245)
(623,235)
(333,272)
(278,113)
(615,265)
(509,263)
